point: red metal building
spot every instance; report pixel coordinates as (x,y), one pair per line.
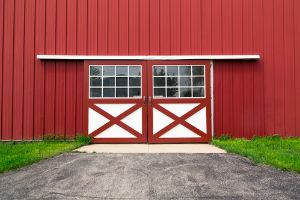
(149,70)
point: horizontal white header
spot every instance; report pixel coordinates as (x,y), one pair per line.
(173,57)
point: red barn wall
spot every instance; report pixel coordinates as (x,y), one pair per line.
(250,98)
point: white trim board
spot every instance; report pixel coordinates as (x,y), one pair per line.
(173,57)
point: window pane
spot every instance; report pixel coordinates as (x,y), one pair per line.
(108,81)
(172,81)
(179,81)
(160,81)
(113,81)
(172,70)
(198,81)
(172,92)
(121,92)
(95,71)
(185,81)
(134,70)
(109,71)
(134,81)
(96,92)
(108,92)
(122,81)
(185,70)
(185,92)
(198,70)
(198,92)
(134,92)
(96,81)
(159,70)
(122,71)
(159,92)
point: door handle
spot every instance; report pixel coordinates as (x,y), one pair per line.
(144,99)
(150,100)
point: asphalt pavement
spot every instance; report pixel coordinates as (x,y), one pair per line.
(148,176)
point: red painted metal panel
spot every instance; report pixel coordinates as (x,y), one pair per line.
(258,68)
(154,27)
(248,71)
(289,70)
(133,28)
(71,70)
(113,27)
(70,127)
(216,42)
(175,27)
(7,77)
(196,27)
(123,27)
(102,27)
(92,27)
(144,27)
(237,81)
(81,50)
(82,27)
(269,105)
(251,98)
(18,89)
(50,69)
(39,70)
(227,42)
(216,46)
(297,63)
(1,59)
(29,68)
(185,15)
(79,97)
(164,13)
(206,27)
(60,79)
(278,70)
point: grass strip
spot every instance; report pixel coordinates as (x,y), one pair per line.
(14,155)
(282,153)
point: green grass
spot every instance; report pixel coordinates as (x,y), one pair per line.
(278,152)
(18,154)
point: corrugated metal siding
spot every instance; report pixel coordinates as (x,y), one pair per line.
(251,98)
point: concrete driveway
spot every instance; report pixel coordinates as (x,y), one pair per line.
(148,176)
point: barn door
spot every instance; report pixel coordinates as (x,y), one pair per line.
(115,110)
(179,102)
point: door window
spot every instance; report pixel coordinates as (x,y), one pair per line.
(179,81)
(115,81)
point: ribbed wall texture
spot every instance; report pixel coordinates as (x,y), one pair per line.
(251,98)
